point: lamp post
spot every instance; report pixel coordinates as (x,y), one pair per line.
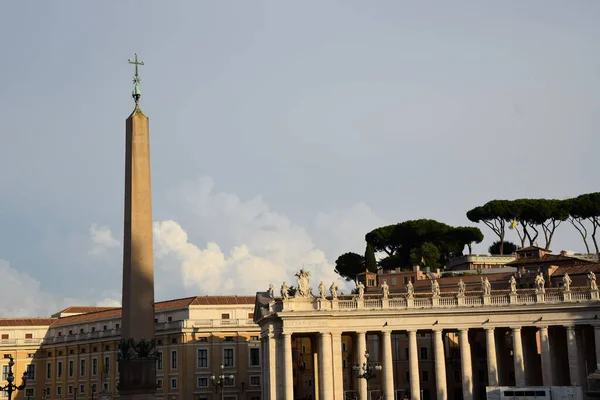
(367,370)
(219,381)
(10,386)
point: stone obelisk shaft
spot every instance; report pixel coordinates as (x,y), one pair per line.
(138,263)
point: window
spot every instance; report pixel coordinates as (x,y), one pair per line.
(393,281)
(173,359)
(49,354)
(4,372)
(59,369)
(202,382)
(229,381)
(118,326)
(169,319)
(4,336)
(228,357)
(344,346)
(202,358)
(71,368)
(107,364)
(94,366)
(70,389)
(93,329)
(423,353)
(407,376)
(254,356)
(254,338)
(81,330)
(228,339)
(174,383)
(159,383)
(255,380)
(82,368)
(406,353)
(31,371)
(49,371)
(30,392)
(250,315)
(94,388)
(58,390)
(159,361)
(425,376)
(223,316)
(81,389)
(28,336)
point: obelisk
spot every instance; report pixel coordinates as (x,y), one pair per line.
(137,368)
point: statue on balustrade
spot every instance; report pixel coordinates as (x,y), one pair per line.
(333,289)
(410,290)
(322,290)
(592,281)
(361,290)
(513,284)
(540,283)
(486,286)
(303,284)
(435,288)
(385,289)
(567,282)
(285,291)
(270,291)
(461,288)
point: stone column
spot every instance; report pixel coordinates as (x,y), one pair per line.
(325,366)
(597,345)
(338,377)
(360,359)
(388,366)
(573,358)
(288,384)
(545,355)
(518,358)
(465,364)
(492,365)
(413,366)
(440,366)
(272,390)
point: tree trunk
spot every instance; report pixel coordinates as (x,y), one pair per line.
(577,224)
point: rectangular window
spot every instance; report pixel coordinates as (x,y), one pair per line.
(223,316)
(29,392)
(406,353)
(344,346)
(393,281)
(81,389)
(251,315)
(202,358)
(423,353)
(94,366)
(107,364)
(94,388)
(229,381)
(254,356)
(4,336)
(159,383)
(49,371)
(425,376)
(58,390)
(70,389)
(173,359)
(202,382)
(159,361)
(228,357)
(59,369)
(31,371)
(4,372)
(28,336)
(82,368)
(255,380)
(174,383)
(71,368)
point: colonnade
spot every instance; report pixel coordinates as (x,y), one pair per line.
(278,378)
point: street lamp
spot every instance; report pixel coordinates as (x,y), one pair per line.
(219,381)
(10,386)
(367,370)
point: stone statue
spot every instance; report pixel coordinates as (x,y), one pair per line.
(410,290)
(435,288)
(567,282)
(270,291)
(303,284)
(486,287)
(461,288)
(285,291)
(322,290)
(513,284)
(333,290)
(592,281)
(540,283)
(361,290)
(385,290)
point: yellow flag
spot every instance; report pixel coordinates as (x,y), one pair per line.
(422,260)
(513,224)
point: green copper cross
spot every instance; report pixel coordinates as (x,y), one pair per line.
(136,79)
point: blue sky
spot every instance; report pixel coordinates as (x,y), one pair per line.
(280,132)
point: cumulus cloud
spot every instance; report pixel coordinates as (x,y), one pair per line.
(102,240)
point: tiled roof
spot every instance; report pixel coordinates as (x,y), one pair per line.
(27,321)
(83,309)
(223,300)
(531,248)
(548,258)
(581,269)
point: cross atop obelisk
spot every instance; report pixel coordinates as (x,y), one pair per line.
(136,94)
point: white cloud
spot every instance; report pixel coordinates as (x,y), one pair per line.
(108,302)
(102,240)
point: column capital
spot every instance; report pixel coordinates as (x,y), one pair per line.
(543,328)
(386,331)
(490,328)
(438,330)
(516,328)
(463,330)
(569,327)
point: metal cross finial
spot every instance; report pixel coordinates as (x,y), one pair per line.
(136,79)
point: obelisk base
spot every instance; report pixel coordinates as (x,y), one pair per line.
(137,379)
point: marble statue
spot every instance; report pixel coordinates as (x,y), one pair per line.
(361,290)
(270,291)
(592,281)
(285,291)
(303,284)
(385,289)
(567,282)
(540,283)
(333,289)
(461,288)
(322,290)
(486,286)
(513,284)
(435,287)
(410,290)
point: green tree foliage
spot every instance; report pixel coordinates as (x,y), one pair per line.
(530,216)
(509,248)
(349,265)
(494,214)
(584,215)
(467,235)
(370,260)
(427,254)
